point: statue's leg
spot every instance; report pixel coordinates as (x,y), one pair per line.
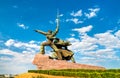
(42,50)
(42,47)
(54,55)
(58,51)
(72,59)
(59,55)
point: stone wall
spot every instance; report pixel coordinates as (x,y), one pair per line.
(44,63)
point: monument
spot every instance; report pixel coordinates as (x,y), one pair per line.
(61,54)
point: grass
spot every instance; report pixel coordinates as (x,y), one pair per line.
(81,73)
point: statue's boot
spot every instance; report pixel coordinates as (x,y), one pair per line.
(72,59)
(54,55)
(42,50)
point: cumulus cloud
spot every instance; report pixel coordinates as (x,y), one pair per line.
(9,42)
(61,15)
(83,29)
(75,14)
(117,34)
(27,50)
(108,40)
(17,56)
(72,35)
(23,26)
(19,44)
(92,13)
(100,48)
(77,17)
(91,60)
(12,61)
(75,20)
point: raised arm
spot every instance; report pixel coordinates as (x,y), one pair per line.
(41,32)
(57,28)
(56,31)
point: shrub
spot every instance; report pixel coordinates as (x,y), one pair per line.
(111,73)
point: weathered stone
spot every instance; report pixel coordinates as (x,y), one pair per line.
(44,63)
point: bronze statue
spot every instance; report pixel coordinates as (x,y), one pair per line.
(50,37)
(59,46)
(65,52)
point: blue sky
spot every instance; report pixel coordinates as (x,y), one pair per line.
(92,26)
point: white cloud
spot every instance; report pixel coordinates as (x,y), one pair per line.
(77,17)
(9,42)
(90,60)
(86,44)
(5,58)
(32,42)
(102,54)
(75,20)
(108,40)
(17,61)
(22,26)
(75,14)
(8,52)
(83,29)
(12,68)
(96,50)
(20,59)
(92,12)
(60,15)
(18,55)
(19,44)
(86,41)
(72,35)
(117,34)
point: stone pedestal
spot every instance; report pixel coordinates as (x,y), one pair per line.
(44,63)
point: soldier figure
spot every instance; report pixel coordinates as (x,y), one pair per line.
(50,37)
(65,52)
(59,46)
